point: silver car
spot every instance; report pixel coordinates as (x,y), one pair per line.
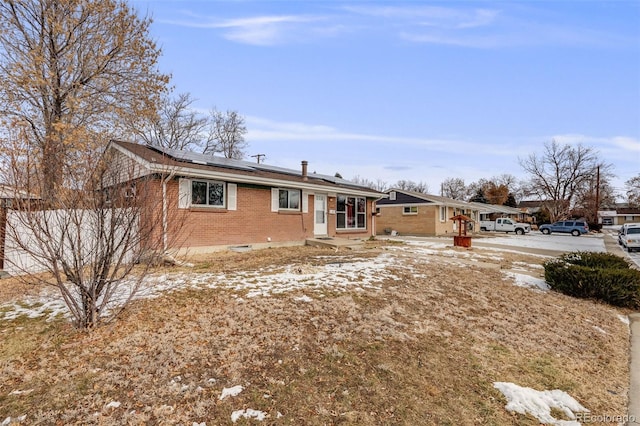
(630,236)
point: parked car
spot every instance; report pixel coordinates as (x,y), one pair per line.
(622,229)
(629,236)
(504,224)
(573,227)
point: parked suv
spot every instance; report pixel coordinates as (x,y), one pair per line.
(573,227)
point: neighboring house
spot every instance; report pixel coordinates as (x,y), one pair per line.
(619,216)
(495,211)
(531,208)
(415,213)
(224,202)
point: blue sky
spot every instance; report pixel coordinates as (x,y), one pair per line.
(412,90)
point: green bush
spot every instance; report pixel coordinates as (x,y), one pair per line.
(595,260)
(601,276)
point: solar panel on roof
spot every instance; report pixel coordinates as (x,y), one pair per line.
(211,160)
(270,168)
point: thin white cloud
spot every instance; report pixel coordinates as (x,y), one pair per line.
(267,30)
(469,27)
(477,42)
(627,144)
(433,16)
(261,129)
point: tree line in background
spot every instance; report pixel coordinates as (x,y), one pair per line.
(570,180)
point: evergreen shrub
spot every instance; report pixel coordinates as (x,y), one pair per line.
(601,276)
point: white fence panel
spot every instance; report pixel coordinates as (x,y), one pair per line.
(65,233)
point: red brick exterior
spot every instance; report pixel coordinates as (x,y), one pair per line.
(252,222)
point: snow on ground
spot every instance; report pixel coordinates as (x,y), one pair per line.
(248,414)
(343,274)
(9,420)
(232,391)
(339,274)
(524,280)
(539,403)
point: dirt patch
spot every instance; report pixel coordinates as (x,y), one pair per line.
(423,346)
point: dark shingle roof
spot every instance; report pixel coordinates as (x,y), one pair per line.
(196,161)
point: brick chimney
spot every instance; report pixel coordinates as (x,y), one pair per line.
(304,170)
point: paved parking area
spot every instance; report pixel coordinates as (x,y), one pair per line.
(546,245)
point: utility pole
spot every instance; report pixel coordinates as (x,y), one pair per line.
(597,191)
(258,157)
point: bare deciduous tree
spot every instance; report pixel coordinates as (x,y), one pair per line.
(88,245)
(632,187)
(226,135)
(378,185)
(559,174)
(409,185)
(178,125)
(454,188)
(589,200)
(73,71)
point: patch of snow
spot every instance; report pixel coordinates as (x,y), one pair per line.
(8,420)
(199,424)
(303,298)
(20,392)
(539,403)
(248,414)
(523,280)
(113,404)
(624,319)
(232,391)
(529,265)
(599,329)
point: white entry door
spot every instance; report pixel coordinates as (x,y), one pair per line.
(320,214)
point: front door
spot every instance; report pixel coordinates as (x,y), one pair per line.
(320,214)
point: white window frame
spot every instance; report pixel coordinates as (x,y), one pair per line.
(289,208)
(412,210)
(206,204)
(443,213)
(357,214)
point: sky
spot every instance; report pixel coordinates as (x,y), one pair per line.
(415,90)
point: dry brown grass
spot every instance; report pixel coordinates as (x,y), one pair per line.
(424,349)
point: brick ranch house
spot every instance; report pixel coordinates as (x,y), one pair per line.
(415,213)
(224,202)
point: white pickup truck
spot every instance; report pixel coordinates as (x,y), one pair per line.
(505,224)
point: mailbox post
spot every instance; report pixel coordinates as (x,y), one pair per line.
(462,239)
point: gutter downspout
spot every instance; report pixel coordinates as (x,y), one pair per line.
(165,212)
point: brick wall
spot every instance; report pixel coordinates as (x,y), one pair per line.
(252,222)
(425,223)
